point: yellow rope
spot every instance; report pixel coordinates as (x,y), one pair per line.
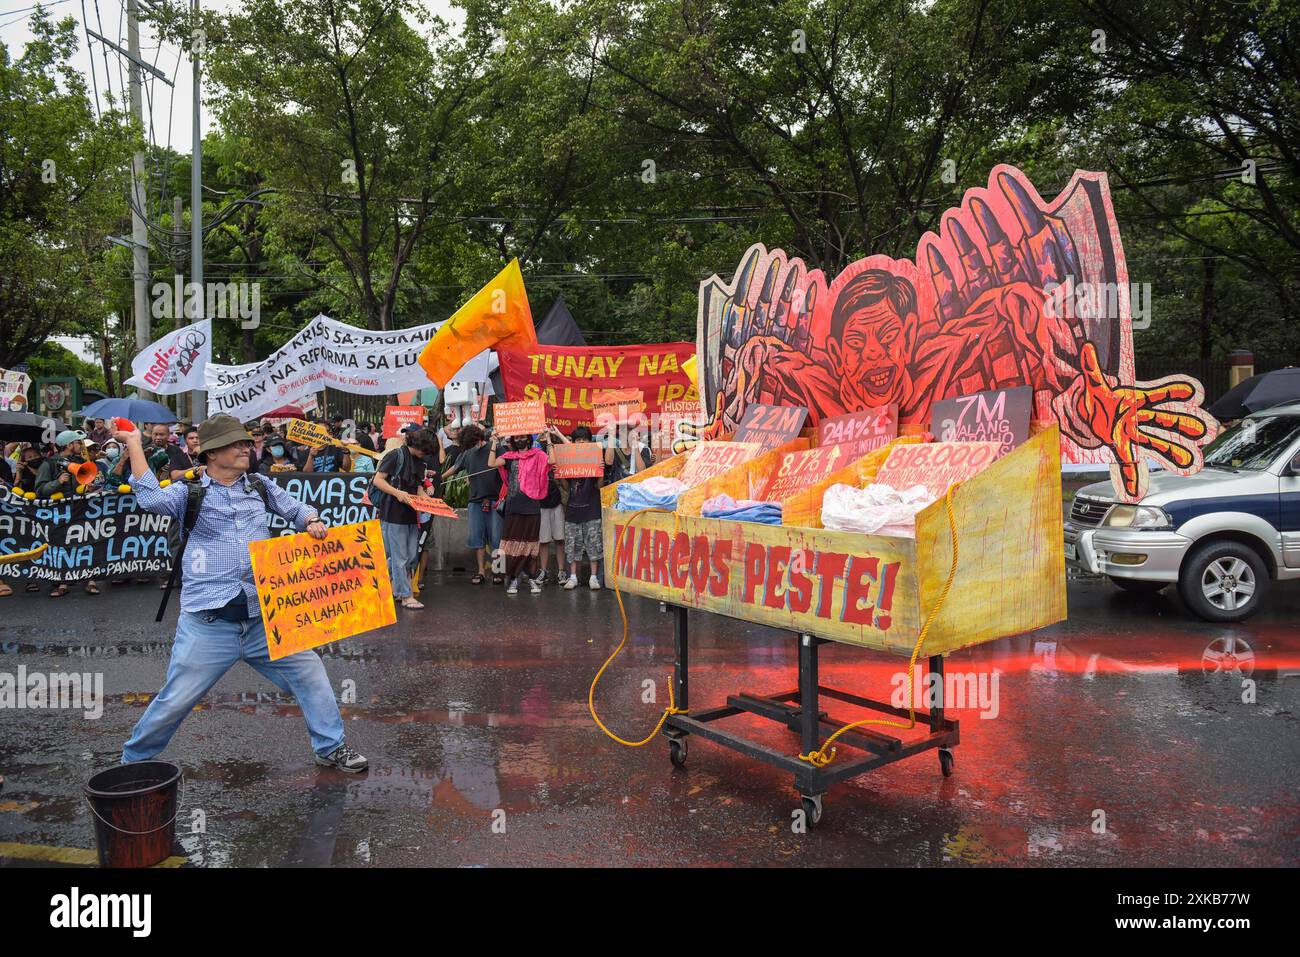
(612,569)
(24,556)
(822,757)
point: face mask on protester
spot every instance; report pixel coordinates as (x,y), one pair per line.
(277,451)
(521,443)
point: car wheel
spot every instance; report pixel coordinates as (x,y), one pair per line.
(1223,581)
(1139,586)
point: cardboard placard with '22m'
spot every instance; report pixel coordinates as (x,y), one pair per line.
(770,426)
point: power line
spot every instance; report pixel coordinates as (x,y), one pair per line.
(90,55)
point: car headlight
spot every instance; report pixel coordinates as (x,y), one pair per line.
(1137,516)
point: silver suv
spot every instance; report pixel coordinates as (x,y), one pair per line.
(1222,534)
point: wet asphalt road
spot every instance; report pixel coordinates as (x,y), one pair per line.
(474,713)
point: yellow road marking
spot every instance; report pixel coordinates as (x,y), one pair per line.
(75,856)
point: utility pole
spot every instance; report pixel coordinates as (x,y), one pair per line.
(198,398)
(178,255)
(139,233)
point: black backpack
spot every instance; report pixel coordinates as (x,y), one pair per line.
(194,495)
(375,495)
(553,496)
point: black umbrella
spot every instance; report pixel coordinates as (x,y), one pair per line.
(26,427)
(1259,392)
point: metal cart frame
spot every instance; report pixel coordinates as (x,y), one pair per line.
(788,709)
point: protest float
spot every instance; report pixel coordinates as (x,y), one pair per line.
(948,389)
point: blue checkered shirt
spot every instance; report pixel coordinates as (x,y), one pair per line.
(217,564)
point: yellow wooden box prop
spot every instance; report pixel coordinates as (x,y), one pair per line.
(868,590)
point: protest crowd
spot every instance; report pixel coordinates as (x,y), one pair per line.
(526,527)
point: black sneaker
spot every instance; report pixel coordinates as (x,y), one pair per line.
(345,759)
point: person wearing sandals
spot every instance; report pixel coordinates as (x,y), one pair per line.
(582,528)
(220,621)
(524,472)
(484,490)
(398,478)
(29,469)
(54,478)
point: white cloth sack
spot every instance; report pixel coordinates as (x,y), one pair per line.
(874,510)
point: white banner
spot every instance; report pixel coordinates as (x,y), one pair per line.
(13,384)
(175,363)
(323,353)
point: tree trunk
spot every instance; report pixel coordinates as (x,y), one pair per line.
(106,363)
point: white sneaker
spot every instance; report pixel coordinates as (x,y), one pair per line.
(571,583)
(535,588)
(514,587)
(594,583)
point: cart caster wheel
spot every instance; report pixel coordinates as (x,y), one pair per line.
(677,752)
(812,808)
(945,762)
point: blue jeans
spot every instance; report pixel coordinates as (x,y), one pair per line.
(402,546)
(206,647)
(484,527)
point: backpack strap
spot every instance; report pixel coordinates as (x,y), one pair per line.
(262,490)
(194,494)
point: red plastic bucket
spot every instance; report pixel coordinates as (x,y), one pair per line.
(134,806)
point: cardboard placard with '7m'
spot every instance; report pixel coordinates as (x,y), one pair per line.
(314,591)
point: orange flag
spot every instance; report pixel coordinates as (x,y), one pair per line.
(496,317)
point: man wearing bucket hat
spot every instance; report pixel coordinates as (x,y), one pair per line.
(220,621)
(55,479)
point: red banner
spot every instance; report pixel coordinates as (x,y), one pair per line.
(567,379)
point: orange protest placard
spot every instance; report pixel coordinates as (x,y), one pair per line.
(801,470)
(579,460)
(314,591)
(936,465)
(398,417)
(666,430)
(860,432)
(709,459)
(434,506)
(616,405)
(519,418)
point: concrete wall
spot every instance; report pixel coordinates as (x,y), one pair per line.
(449,549)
